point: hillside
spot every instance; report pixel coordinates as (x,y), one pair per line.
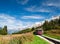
(52,28)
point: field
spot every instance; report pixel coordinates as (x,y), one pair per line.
(37,40)
(15,39)
(53,33)
(27,38)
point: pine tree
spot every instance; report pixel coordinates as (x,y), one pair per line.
(5,30)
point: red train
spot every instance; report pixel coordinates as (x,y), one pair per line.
(38,32)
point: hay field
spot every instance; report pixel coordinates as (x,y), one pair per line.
(16,39)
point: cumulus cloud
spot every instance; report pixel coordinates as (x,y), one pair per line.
(33,17)
(23,2)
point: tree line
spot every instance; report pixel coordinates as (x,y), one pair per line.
(24,31)
(53,24)
(3,31)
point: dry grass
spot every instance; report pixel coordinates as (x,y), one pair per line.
(16,39)
(55,33)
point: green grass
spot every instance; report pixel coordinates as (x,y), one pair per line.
(53,36)
(37,40)
(55,33)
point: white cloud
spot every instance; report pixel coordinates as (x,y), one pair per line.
(52,3)
(12,23)
(23,2)
(41,22)
(32,17)
(38,23)
(37,9)
(55,17)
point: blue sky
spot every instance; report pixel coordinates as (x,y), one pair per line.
(24,13)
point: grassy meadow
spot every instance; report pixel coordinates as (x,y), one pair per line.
(15,39)
(27,38)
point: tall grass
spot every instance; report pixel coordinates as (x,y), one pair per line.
(16,39)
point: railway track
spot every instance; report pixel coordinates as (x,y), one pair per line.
(55,41)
